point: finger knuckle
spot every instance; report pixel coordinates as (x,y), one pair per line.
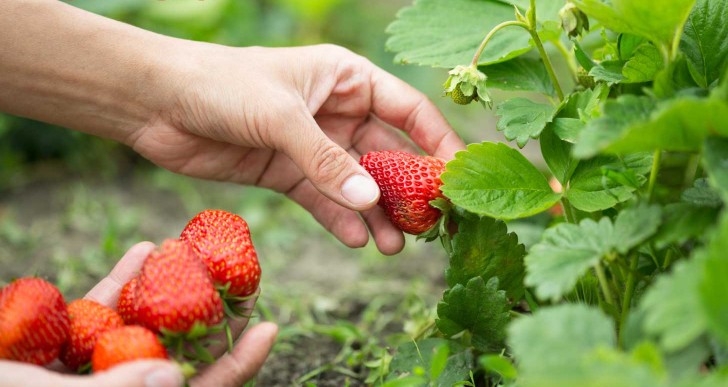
(329,162)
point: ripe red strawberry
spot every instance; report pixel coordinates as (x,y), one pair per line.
(222,241)
(125,344)
(89,320)
(175,291)
(126,306)
(408,183)
(33,321)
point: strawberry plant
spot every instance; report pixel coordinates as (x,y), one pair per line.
(625,284)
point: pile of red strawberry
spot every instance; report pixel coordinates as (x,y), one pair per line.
(179,299)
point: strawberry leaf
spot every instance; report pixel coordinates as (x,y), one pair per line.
(585,341)
(557,154)
(657,20)
(680,124)
(479,308)
(682,306)
(616,115)
(705,41)
(564,254)
(497,181)
(423,354)
(644,64)
(604,181)
(671,308)
(702,194)
(519,74)
(715,160)
(637,124)
(522,119)
(567,250)
(609,71)
(447,33)
(683,221)
(575,330)
(714,286)
(484,248)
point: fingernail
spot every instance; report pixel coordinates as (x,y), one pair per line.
(164,377)
(360,190)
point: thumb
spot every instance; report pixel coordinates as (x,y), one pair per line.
(329,167)
(146,373)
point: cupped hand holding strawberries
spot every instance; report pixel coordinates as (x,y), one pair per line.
(295,120)
(174,298)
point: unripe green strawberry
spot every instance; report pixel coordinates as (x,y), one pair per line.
(584,79)
(89,320)
(408,183)
(126,344)
(222,240)
(175,291)
(459,98)
(34,323)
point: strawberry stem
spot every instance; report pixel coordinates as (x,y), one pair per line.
(229,336)
(629,292)
(490,35)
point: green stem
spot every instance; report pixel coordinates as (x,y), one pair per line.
(653,173)
(570,61)
(531,301)
(668,260)
(547,63)
(604,283)
(569,211)
(628,293)
(515,314)
(423,330)
(691,170)
(532,15)
(490,35)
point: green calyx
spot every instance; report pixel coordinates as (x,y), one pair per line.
(573,21)
(192,345)
(466,84)
(234,306)
(441,229)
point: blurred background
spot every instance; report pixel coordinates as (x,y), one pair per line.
(72,204)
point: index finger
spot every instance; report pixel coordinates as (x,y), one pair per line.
(107,291)
(404,107)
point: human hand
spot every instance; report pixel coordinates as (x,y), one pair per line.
(232,369)
(295,120)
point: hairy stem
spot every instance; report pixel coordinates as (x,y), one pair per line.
(628,293)
(653,173)
(490,35)
(604,283)
(547,63)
